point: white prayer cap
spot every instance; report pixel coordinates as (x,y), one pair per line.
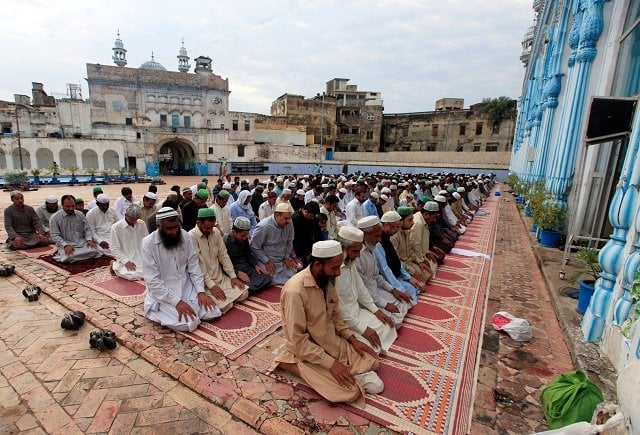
(102,198)
(374,195)
(350,233)
(51,199)
(443,192)
(394,187)
(461,189)
(170,193)
(286,191)
(342,190)
(166,213)
(325,185)
(279,180)
(432,206)
(390,216)
(299,192)
(456,195)
(368,222)
(226,186)
(283,207)
(242,223)
(385,190)
(152,196)
(326,249)
(440,198)
(384,198)
(265,195)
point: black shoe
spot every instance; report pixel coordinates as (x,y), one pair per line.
(3,271)
(10,268)
(95,340)
(72,321)
(109,339)
(31,292)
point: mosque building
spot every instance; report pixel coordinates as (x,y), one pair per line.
(578,131)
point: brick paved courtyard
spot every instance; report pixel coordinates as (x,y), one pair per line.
(160,382)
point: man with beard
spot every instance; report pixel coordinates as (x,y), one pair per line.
(176,296)
(297,201)
(242,207)
(100,219)
(45,211)
(391,300)
(222,212)
(71,233)
(95,192)
(245,265)
(356,306)
(329,209)
(319,347)
(401,241)
(219,275)
(22,225)
(420,237)
(388,261)
(306,231)
(126,244)
(272,244)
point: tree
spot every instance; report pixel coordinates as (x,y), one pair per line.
(497,109)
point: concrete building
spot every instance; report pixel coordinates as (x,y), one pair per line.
(358,116)
(317,113)
(448,128)
(578,129)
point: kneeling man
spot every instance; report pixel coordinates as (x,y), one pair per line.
(23,225)
(219,276)
(319,347)
(72,234)
(126,244)
(176,297)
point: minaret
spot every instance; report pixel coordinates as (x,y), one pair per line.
(183,59)
(119,52)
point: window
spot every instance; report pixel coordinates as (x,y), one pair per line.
(175,121)
(208,123)
(344,130)
(221,126)
(496,128)
(431,147)
(463,130)
(247,125)
(138,135)
(355,130)
(6,127)
(476,147)
(434,130)
(405,131)
(128,121)
(493,147)
(240,150)
(235,125)
(210,150)
(369,135)
(163,120)
(187,121)
(370,116)
(478,128)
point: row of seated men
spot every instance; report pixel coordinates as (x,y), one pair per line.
(197,275)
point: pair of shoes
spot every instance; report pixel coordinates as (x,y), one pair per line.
(32,292)
(7,269)
(72,321)
(103,339)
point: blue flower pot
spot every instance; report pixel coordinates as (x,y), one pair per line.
(527,210)
(585,291)
(550,239)
(534,229)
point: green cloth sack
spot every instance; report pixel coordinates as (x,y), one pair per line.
(569,399)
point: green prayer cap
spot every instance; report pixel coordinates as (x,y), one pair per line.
(202,185)
(206,212)
(223,194)
(97,189)
(79,200)
(202,194)
(405,210)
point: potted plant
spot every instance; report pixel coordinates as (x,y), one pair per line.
(587,260)
(105,173)
(73,170)
(55,172)
(122,170)
(36,172)
(549,217)
(537,196)
(134,173)
(92,172)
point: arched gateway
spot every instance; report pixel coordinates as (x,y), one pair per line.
(176,157)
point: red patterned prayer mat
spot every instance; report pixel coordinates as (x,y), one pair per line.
(122,290)
(244,325)
(69,269)
(38,252)
(430,371)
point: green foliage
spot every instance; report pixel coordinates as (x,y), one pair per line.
(16,177)
(122,170)
(54,169)
(157,180)
(634,316)
(106,172)
(498,109)
(549,215)
(133,171)
(36,172)
(512,180)
(91,171)
(587,259)
(73,170)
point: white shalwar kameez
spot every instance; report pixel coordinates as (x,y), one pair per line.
(173,275)
(72,229)
(100,223)
(357,308)
(126,246)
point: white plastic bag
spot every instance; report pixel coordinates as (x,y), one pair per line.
(517,328)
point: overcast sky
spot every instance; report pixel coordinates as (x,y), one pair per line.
(412,51)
